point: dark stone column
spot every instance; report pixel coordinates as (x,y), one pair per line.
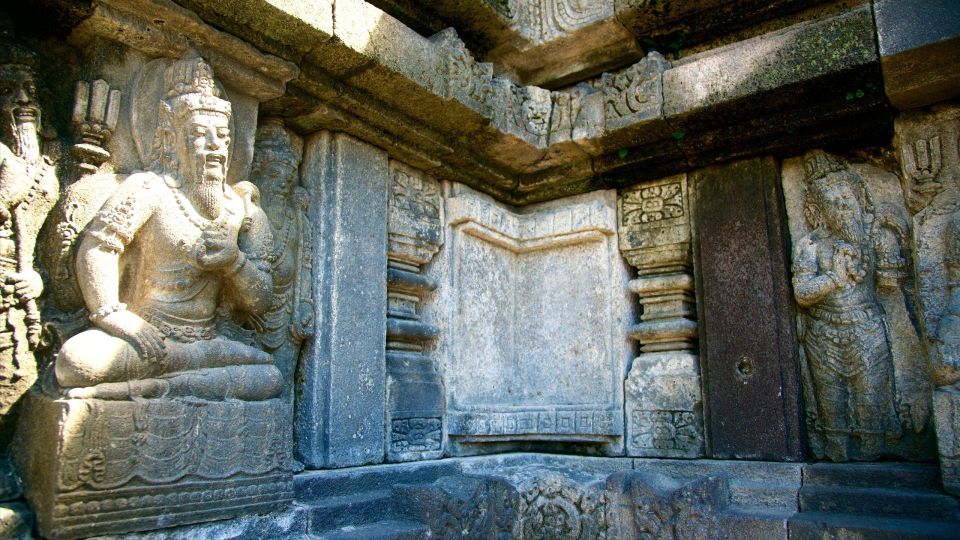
(748,341)
(340,386)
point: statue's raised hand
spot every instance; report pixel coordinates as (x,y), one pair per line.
(218,249)
(145,338)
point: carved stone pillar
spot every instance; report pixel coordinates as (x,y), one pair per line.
(664,410)
(414,391)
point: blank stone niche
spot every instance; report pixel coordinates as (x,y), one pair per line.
(534,311)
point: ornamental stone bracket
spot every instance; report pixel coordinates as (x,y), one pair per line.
(663,401)
(516,370)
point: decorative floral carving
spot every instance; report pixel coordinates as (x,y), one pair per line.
(468,80)
(687,513)
(554,508)
(464,507)
(666,430)
(416,435)
(650,204)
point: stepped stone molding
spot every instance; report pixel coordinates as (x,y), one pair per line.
(664,407)
(415,405)
(547,265)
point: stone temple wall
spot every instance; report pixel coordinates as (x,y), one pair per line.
(479,269)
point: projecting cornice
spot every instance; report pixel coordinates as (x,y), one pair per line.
(350,67)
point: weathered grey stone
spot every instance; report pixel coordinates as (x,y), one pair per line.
(664,409)
(918,45)
(16,521)
(95,466)
(747,343)
(340,409)
(849,265)
(517,280)
(657,506)
(930,166)
(415,407)
(11,488)
(946,416)
(290,320)
(282,524)
(634,94)
(28,191)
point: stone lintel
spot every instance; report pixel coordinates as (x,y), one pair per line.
(919,45)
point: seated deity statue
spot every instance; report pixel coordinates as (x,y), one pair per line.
(168,249)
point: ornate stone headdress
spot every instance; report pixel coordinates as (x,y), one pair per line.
(15,55)
(822,170)
(190,87)
(275,144)
(818,165)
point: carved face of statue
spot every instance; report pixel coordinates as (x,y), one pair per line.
(842,212)
(536,113)
(276,179)
(21,112)
(203,159)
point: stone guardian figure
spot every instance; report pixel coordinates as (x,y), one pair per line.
(28,191)
(837,270)
(289,321)
(161,255)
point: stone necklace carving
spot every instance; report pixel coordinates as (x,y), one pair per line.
(195,218)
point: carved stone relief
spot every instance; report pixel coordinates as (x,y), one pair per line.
(469,81)
(635,93)
(554,508)
(516,279)
(928,144)
(464,507)
(865,386)
(664,403)
(415,393)
(28,191)
(154,393)
(282,329)
(649,506)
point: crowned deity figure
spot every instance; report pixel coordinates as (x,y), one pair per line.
(838,268)
(169,247)
(28,191)
(275,170)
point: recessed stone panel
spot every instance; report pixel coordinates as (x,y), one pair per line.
(535,346)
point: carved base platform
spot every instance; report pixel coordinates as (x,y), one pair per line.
(98,467)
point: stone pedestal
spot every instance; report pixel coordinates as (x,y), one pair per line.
(98,467)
